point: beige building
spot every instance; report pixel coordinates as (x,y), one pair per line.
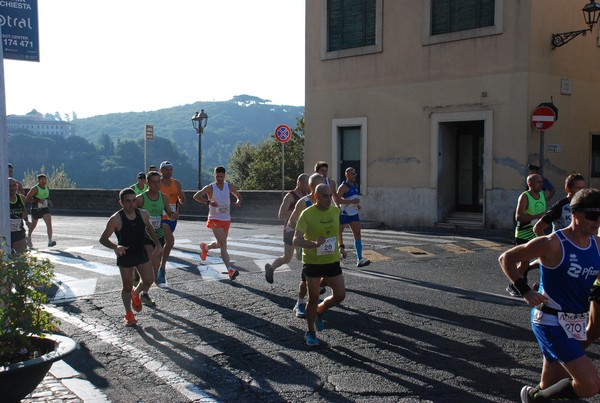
(431,101)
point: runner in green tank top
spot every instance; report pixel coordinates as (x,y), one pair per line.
(531,206)
(40,208)
(154,202)
(140,186)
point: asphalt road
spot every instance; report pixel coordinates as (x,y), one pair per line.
(428,320)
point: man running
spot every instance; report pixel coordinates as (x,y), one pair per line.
(217,196)
(154,203)
(140,186)
(38,196)
(322,168)
(559,215)
(313,181)
(316,233)
(569,265)
(349,202)
(285,211)
(130,224)
(172,188)
(11,169)
(531,206)
(18,216)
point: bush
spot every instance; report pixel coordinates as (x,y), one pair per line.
(24,281)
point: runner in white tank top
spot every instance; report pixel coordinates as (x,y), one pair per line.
(217,196)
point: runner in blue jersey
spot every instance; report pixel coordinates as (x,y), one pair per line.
(348,197)
(569,265)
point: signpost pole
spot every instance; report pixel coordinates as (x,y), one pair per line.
(282,169)
(542,152)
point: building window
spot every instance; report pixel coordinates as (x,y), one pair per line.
(595,156)
(454,20)
(351,28)
(350,24)
(460,15)
(349,147)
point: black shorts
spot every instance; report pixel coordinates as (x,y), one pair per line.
(132,259)
(37,213)
(149,241)
(288,236)
(322,270)
(17,236)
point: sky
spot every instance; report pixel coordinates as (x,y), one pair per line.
(106,56)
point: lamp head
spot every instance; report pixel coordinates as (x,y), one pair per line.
(591,13)
(199,120)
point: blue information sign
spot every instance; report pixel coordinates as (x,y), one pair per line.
(19,24)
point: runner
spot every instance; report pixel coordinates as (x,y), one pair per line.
(316,232)
(217,196)
(38,196)
(302,204)
(130,224)
(18,215)
(530,207)
(569,264)
(349,202)
(322,168)
(140,186)
(285,211)
(11,169)
(172,188)
(154,203)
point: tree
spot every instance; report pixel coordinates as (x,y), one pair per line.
(259,167)
(58,179)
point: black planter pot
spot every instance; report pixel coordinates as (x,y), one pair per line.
(21,378)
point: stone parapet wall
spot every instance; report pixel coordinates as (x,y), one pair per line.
(257,206)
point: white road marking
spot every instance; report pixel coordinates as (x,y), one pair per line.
(100,268)
(69,290)
(187,389)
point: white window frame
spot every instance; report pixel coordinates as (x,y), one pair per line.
(428,39)
(336,124)
(363,50)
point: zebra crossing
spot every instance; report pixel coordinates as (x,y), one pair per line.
(79,268)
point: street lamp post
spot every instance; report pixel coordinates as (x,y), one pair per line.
(199,121)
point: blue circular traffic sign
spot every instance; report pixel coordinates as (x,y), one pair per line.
(283,133)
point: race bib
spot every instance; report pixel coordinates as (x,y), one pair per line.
(43,203)
(173,207)
(223,209)
(574,324)
(328,247)
(156,221)
(15,224)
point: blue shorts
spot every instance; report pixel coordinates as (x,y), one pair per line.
(171,223)
(347,219)
(555,344)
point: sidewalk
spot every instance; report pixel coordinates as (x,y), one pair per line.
(63,384)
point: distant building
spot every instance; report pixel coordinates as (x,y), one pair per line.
(36,123)
(431,102)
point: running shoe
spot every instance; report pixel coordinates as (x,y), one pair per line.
(311,339)
(146,300)
(300,310)
(204,251)
(512,291)
(51,243)
(136,303)
(526,394)
(363,263)
(161,278)
(269,273)
(129,319)
(233,273)
(319,324)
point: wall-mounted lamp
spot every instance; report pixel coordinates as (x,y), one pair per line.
(591,13)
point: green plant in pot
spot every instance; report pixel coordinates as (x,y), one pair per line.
(27,349)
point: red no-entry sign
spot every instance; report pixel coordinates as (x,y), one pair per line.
(543,117)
